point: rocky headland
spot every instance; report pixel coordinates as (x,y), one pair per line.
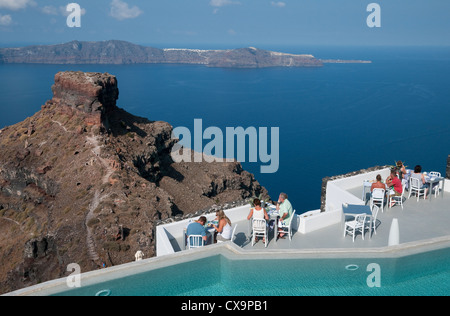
(83,181)
(120,52)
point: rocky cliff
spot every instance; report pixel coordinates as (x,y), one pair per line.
(120,52)
(83,181)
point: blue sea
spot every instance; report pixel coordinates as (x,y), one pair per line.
(332,120)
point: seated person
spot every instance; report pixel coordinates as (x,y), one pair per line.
(198,228)
(378,184)
(284,208)
(402,173)
(258,212)
(224,231)
(395,184)
(417,174)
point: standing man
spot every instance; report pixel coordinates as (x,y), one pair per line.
(284,208)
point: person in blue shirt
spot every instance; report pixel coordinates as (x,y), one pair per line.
(198,228)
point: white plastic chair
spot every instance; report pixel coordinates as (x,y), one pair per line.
(357,225)
(415,185)
(397,200)
(195,241)
(232,234)
(288,228)
(259,230)
(437,188)
(372,220)
(378,198)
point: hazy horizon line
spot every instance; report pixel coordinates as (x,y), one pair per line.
(223,45)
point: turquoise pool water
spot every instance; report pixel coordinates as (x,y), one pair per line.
(420,274)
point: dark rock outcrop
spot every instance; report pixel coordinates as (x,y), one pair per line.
(448,167)
(92,93)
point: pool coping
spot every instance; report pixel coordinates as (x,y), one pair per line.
(233,252)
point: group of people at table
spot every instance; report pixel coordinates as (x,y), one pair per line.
(223,229)
(398,180)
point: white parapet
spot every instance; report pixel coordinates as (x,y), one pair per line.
(337,193)
(337,190)
(175,230)
(316,220)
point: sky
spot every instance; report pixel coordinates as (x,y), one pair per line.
(228,23)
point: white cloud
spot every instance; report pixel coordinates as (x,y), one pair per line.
(16,4)
(121,10)
(5,20)
(278,4)
(221,3)
(52,10)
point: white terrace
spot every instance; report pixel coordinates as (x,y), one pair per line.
(424,225)
(419,222)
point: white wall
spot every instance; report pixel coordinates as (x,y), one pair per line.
(176,230)
(319,220)
(337,194)
(357,181)
(337,190)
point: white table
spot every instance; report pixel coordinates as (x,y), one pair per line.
(355,210)
(434,180)
(274,215)
(367,186)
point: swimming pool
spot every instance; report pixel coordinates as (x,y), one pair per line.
(419,274)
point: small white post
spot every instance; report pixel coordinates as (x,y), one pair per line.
(394,235)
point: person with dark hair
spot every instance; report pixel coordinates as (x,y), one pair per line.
(379,184)
(401,170)
(419,175)
(198,228)
(395,184)
(257,212)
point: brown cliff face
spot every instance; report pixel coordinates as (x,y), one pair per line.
(92,93)
(83,181)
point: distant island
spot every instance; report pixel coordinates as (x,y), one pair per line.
(121,52)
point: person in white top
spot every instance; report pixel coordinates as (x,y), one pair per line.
(224,230)
(257,212)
